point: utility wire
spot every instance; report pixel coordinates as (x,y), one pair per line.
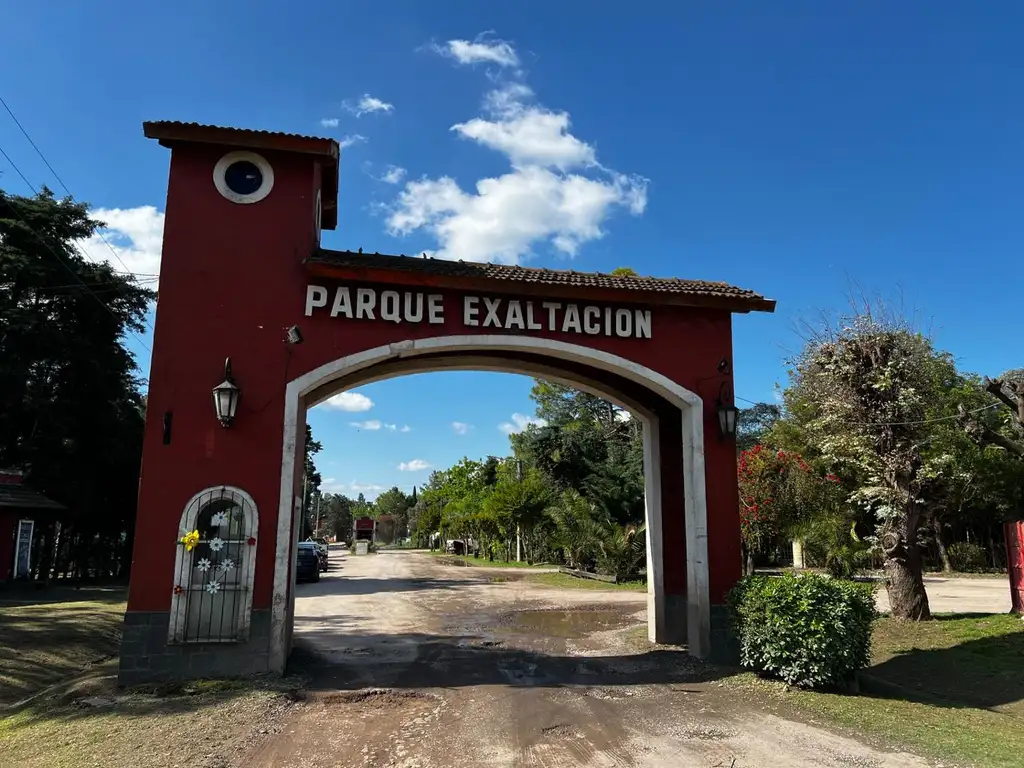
(57,177)
(62,260)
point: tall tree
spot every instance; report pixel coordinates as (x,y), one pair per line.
(311,483)
(866,393)
(753,424)
(394,504)
(71,410)
(1008,433)
(336,514)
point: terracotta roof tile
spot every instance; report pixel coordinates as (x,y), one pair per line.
(20,497)
(665,286)
(171,132)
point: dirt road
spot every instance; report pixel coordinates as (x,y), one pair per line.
(419,665)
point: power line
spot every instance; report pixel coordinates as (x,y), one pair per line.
(63,262)
(57,177)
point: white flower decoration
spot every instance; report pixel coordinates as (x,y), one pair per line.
(227,565)
(213,587)
(217,544)
(204,565)
(219,519)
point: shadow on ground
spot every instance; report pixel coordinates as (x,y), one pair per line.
(40,594)
(41,645)
(370,585)
(980,673)
(443,661)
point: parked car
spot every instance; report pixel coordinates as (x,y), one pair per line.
(307,566)
(321,551)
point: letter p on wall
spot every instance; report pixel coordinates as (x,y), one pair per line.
(316,296)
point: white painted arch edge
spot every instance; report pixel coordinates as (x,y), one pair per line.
(689,403)
(187,523)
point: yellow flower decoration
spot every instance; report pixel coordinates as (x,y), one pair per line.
(190,540)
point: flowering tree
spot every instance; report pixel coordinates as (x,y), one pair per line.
(778,489)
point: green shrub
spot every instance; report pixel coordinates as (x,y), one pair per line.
(810,631)
(967,557)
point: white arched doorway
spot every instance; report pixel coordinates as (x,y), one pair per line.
(406,357)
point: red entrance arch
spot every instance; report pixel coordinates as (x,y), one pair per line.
(242,264)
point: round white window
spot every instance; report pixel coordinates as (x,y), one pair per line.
(243,177)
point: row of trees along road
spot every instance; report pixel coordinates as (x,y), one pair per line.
(880,454)
(71,400)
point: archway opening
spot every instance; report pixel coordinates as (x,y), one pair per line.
(671,420)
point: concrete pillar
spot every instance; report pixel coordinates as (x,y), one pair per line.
(798,554)
(656,628)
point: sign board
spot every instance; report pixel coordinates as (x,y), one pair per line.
(364,524)
(23,549)
(362,547)
(479,312)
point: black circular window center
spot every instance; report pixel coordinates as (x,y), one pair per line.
(243,177)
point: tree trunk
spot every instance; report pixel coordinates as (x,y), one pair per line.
(905,584)
(947,567)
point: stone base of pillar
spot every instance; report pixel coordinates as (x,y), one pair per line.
(669,625)
(725,645)
(147,658)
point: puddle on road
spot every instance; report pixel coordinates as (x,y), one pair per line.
(569,625)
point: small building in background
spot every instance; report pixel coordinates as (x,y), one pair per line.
(23,512)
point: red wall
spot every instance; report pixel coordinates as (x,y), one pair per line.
(232,279)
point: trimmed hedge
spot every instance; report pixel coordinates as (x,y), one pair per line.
(811,631)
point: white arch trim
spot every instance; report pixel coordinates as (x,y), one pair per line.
(189,518)
(690,404)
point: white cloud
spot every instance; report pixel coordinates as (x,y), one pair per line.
(460,427)
(368,105)
(405,428)
(134,234)
(519,423)
(352,402)
(351,140)
(556,192)
(329,122)
(393,175)
(372,424)
(416,465)
(530,136)
(332,485)
(480,51)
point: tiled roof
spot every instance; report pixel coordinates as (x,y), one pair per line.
(701,291)
(174,130)
(171,132)
(19,497)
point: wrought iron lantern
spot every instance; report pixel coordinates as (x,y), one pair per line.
(226,396)
(727,413)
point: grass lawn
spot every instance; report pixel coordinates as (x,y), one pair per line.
(211,724)
(47,642)
(962,694)
(574,582)
(482,562)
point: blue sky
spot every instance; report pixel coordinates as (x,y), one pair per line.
(788,147)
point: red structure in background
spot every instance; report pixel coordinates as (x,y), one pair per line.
(1014,534)
(19,502)
(364,528)
(243,276)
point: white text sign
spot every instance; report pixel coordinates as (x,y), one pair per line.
(479,312)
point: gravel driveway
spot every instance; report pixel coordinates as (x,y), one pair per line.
(420,665)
